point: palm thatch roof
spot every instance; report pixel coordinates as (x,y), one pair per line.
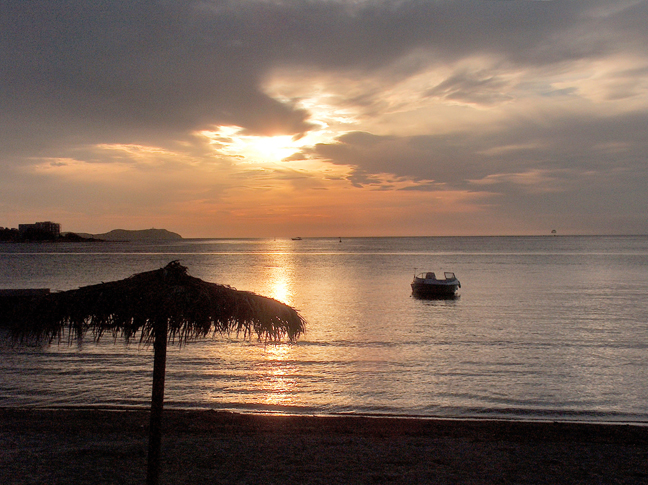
(160,306)
(135,306)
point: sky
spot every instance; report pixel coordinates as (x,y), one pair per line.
(340,118)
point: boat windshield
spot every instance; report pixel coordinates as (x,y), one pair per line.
(431,276)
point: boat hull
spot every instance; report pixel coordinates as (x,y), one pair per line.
(430,290)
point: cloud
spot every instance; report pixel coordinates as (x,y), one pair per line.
(522,144)
(525,164)
(136,69)
(133,71)
(408,96)
(470,87)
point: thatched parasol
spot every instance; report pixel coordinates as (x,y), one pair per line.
(165,305)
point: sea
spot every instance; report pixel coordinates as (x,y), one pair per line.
(544,328)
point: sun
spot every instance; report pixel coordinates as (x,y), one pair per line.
(254,149)
(274,148)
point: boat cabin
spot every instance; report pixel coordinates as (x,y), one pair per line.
(431,276)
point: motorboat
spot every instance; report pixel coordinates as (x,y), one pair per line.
(427,285)
(297,238)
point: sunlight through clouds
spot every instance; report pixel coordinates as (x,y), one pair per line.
(311,118)
(232,142)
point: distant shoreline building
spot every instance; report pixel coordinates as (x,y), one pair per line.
(47,227)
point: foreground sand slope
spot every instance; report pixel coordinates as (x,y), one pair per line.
(109,447)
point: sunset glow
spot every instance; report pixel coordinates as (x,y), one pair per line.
(251,149)
(368,118)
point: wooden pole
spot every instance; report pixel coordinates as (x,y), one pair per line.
(157,402)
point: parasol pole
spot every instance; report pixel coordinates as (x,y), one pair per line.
(157,401)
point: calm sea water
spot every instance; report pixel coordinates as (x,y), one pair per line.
(545,328)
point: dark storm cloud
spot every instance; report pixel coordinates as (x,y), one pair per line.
(150,70)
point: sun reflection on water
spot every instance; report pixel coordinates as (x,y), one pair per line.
(278,382)
(280,289)
(272,376)
(279,278)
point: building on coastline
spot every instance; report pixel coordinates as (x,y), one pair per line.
(47,227)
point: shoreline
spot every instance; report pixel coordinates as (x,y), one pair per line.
(66,446)
(547,418)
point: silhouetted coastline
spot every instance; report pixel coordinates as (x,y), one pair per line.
(15,236)
(116,235)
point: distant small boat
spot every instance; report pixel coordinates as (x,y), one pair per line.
(296,238)
(426,285)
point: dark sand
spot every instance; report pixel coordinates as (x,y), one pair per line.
(109,447)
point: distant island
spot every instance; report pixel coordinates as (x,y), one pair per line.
(139,235)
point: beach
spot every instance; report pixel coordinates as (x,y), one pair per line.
(78,446)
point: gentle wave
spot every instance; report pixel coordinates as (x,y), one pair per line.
(545,328)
